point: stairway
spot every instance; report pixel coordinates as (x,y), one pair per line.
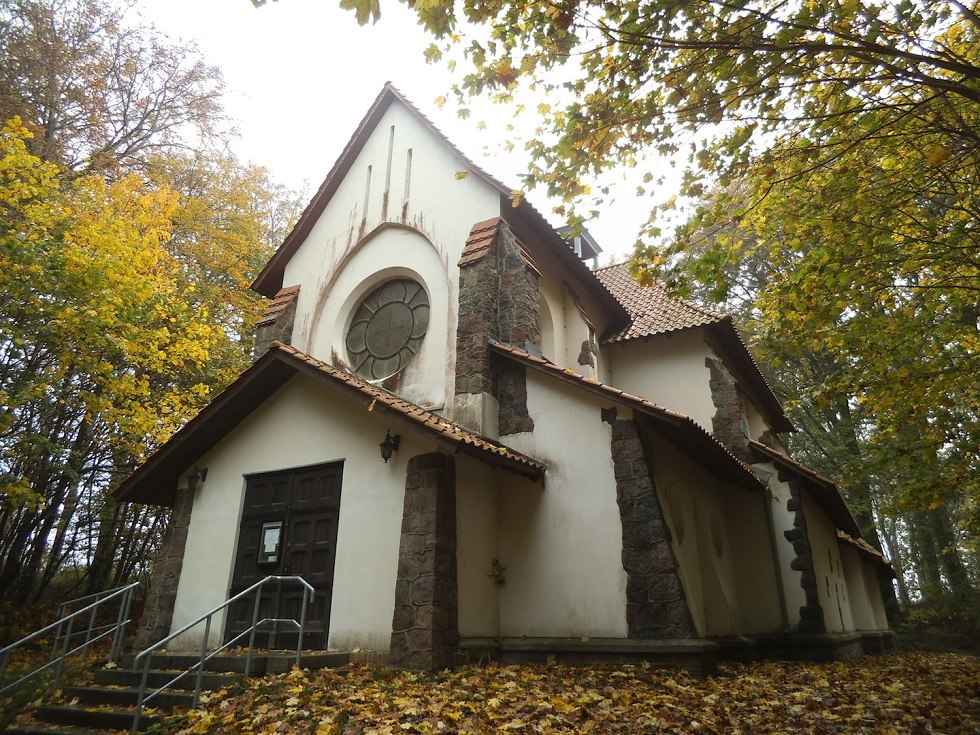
(109,703)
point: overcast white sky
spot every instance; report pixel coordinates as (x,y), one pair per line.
(300,74)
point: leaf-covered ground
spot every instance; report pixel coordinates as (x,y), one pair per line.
(886,695)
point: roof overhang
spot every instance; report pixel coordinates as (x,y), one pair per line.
(155,481)
(679,430)
(823,491)
(868,551)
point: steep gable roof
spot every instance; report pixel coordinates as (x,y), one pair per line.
(155,481)
(269,281)
(653,311)
(678,429)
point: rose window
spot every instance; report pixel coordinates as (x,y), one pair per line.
(387,329)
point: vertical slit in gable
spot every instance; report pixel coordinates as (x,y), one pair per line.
(391,149)
(367,190)
(408,174)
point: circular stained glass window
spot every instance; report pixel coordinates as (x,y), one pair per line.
(387,329)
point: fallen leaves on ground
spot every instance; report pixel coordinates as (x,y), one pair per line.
(886,695)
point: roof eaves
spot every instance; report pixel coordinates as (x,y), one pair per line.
(155,481)
(722,460)
(862,545)
(827,493)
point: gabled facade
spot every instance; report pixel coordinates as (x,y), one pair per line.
(583,468)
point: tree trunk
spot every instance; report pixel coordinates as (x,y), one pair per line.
(897,554)
(949,557)
(106,546)
(927,567)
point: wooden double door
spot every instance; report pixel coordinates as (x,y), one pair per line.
(288,527)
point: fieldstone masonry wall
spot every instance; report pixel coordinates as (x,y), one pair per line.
(158,612)
(519,304)
(728,423)
(277,323)
(478,287)
(512,415)
(424,627)
(811,614)
(498,299)
(655,603)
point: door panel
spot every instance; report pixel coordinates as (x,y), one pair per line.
(307,503)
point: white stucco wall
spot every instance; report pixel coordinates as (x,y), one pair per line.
(875,600)
(783,518)
(721,540)
(392,252)
(563,327)
(828,568)
(667,370)
(859,593)
(403,175)
(562,546)
(476,546)
(305,424)
(756,424)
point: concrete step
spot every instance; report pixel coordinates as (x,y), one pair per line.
(210,680)
(109,704)
(48,729)
(263,662)
(127,697)
(92,718)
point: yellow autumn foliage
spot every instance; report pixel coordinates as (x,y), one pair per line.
(125,307)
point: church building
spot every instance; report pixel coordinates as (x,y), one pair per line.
(473,444)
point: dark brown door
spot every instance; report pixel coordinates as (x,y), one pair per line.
(289,527)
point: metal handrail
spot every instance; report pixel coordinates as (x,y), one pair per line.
(145,656)
(62,628)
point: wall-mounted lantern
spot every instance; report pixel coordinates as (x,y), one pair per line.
(389,446)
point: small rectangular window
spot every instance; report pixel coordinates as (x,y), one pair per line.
(270,542)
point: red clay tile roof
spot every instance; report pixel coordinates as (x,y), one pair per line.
(651,309)
(478,244)
(278,305)
(861,545)
(155,481)
(682,431)
(481,239)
